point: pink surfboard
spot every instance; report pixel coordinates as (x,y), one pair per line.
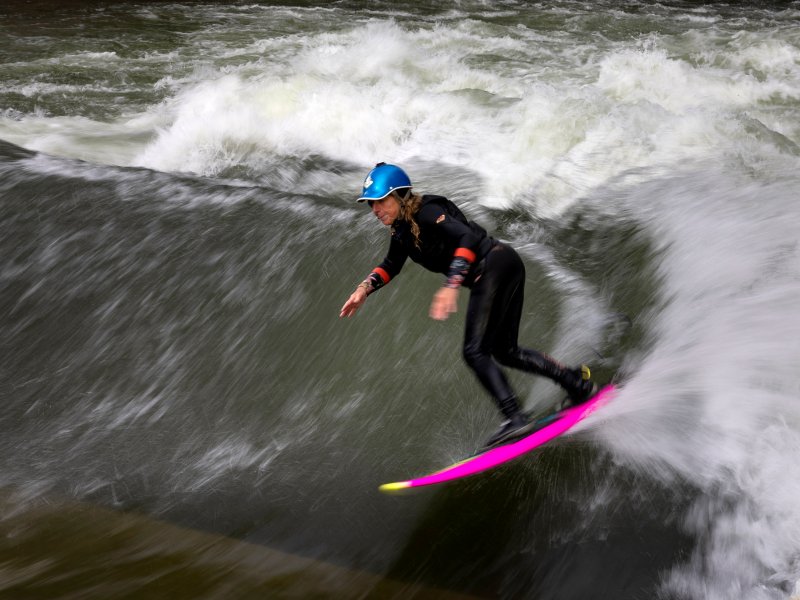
(561,423)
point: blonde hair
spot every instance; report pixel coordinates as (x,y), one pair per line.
(409,207)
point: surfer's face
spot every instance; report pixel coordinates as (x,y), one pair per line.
(387,209)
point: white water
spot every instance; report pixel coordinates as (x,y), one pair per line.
(538,115)
(717,401)
(698,133)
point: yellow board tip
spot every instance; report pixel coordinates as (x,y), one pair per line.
(389,488)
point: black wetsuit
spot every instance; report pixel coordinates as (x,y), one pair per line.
(462,250)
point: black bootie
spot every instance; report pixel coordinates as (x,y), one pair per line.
(516,425)
(578,385)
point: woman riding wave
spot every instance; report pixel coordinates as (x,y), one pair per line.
(433,232)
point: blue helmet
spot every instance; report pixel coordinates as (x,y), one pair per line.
(382,181)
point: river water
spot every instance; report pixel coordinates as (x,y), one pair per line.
(185,415)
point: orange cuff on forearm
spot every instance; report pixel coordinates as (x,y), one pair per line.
(466,254)
(382,274)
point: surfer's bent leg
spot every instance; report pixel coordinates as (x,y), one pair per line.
(498,306)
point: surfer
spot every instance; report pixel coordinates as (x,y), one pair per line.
(433,232)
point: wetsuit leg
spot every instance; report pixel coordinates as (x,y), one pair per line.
(492,328)
(489,300)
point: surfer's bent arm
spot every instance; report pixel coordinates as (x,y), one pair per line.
(379,277)
(445,301)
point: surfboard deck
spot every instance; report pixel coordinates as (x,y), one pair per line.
(552,427)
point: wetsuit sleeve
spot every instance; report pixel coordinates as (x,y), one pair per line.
(388,269)
(464,238)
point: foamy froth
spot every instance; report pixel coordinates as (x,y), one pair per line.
(716,403)
(487,103)
(382,91)
(540,116)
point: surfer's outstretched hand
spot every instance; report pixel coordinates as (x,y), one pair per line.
(354,302)
(445,302)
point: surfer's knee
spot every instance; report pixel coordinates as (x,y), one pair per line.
(508,357)
(473,354)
